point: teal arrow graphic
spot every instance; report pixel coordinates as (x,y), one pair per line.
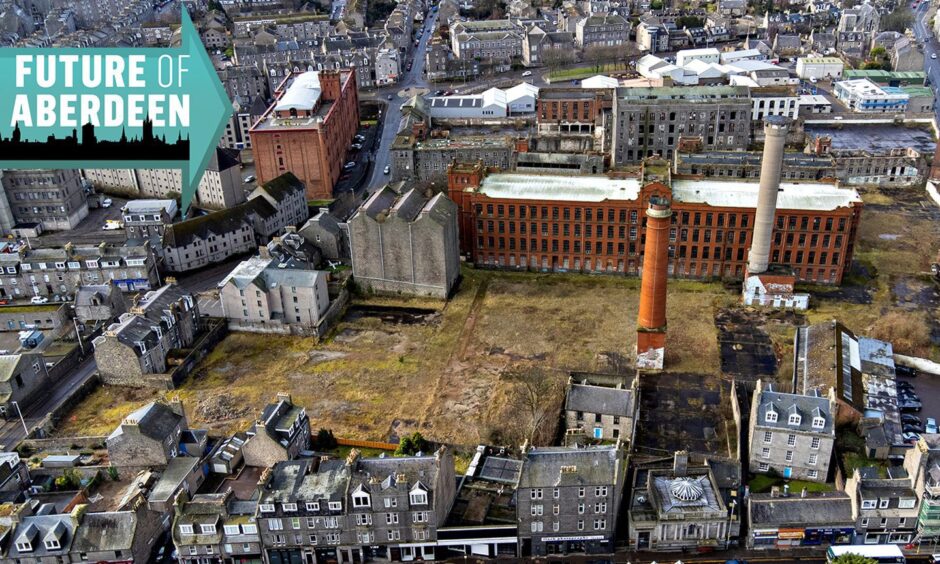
(113,108)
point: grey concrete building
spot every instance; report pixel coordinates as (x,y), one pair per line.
(679,507)
(746,164)
(792,435)
(324,232)
(559,163)
(779,520)
(148,436)
(425,160)
(602,410)
(23,379)
(60,271)
(99,303)
(146,219)
(356,510)
(282,431)
(602,30)
(405,243)
(442,64)
(649,121)
(263,294)
(885,510)
(55,199)
(52,319)
(220,186)
(568,499)
(138,344)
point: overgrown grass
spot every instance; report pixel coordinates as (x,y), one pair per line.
(762,483)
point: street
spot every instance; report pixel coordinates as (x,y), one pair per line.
(923,34)
(12,432)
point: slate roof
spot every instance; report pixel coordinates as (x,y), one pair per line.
(306,480)
(223,221)
(824,509)
(156,420)
(36,528)
(807,407)
(177,469)
(103,532)
(562,466)
(600,399)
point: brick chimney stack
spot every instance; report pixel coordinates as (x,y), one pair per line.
(651,322)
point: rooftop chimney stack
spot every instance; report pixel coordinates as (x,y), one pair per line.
(775,136)
(651,322)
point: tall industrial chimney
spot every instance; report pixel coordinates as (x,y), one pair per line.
(651,322)
(775,137)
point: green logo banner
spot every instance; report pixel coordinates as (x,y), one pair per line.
(113,108)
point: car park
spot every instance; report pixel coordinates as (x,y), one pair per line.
(931,426)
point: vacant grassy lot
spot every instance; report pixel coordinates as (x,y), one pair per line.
(446,374)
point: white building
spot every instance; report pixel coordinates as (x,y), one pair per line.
(819,67)
(815,104)
(707,55)
(864,96)
(763,105)
(742,55)
(599,81)
(521,98)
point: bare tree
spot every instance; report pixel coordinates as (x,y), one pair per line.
(600,55)
(555,57)
(534,402)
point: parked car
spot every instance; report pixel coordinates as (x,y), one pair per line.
(910,405)
(4,301)
(911,437)
(933,56)
(904,371)
(931,426)
(902,385)
(527,73)
(387,170)
(359,138)
(112,225)
(356,146)
(908,396)
(38,300)
(389,97)
(106,203)
(911,428)
(912,419)
(349,166)
(249,178)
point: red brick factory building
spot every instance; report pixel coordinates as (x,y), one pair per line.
(308,129)
(597,223)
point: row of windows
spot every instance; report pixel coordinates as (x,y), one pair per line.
(812,460)
(539,493)
(812,474)
(539,526)
(537,510)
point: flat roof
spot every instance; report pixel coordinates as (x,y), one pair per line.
(792,195)
(589,188)
(875,138)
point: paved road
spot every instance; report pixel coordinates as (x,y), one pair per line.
(12,432)
(931,48)
(392,117)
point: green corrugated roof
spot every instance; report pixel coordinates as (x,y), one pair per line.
(917,91)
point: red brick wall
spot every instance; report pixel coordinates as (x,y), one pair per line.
(315,155)
(498,233)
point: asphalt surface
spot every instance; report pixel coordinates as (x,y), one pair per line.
(12,432)
(392,117)
(931,47)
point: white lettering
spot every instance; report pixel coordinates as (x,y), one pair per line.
(21,113)
(23,69)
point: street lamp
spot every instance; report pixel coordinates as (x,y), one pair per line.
(23,421)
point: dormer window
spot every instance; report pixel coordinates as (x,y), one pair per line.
(24,547)
(313,506)
(186,529)
(771,416)
(266,507)
(419,495)
(289,506)
(336,506)
(794,419)
(207,528)
(360,498)
(818,422)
